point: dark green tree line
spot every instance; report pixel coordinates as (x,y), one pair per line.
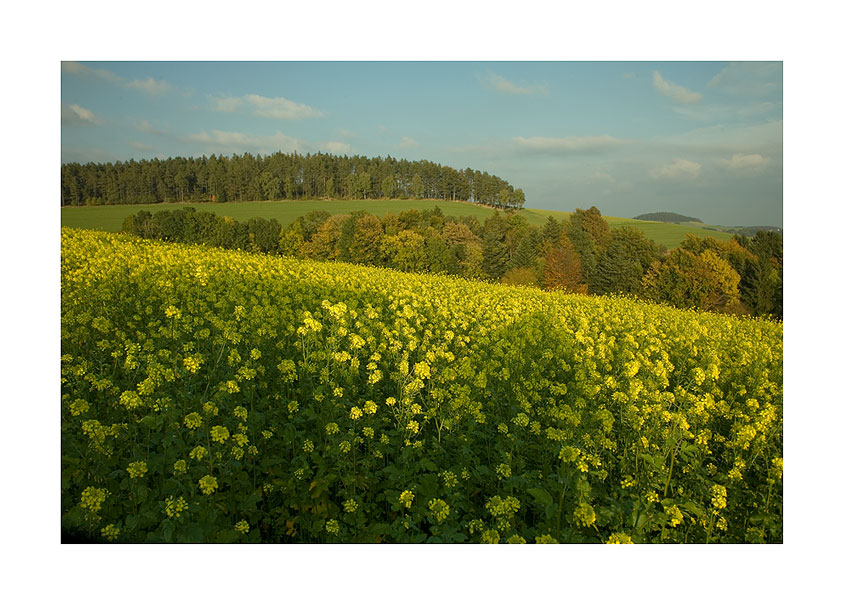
(278,176)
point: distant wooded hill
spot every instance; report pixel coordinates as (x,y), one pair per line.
(666,217)
(279,176)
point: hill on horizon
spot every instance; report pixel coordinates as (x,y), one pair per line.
(667,217)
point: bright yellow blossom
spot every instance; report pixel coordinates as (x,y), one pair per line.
(208,484)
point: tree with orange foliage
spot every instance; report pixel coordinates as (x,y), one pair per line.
(562,267)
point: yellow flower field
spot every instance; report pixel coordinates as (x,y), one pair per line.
(222,396)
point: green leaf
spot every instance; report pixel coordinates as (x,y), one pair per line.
(541,496)
(195,534)
(167,531)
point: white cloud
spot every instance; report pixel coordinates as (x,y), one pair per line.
(674,92)
(276,108)
(149,85)
(78,69)
(742,162)
(240,142)
(78,116)
(407,142)
(501,84)
(221,141)
(346,133)
(148,128)
(280,108)
(766,137)
(72,67)
(336,147)
(139,146)
(749,79)
(599,176)
(227,104)
(680,169)
(567,145)
(728,111)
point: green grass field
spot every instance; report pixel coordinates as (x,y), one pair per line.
(110,218)
(668,234)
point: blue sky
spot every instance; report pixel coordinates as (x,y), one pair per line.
(698,138)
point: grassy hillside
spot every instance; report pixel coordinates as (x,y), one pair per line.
(669,235)
(110,218)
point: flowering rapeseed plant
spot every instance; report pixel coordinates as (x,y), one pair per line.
(513,414)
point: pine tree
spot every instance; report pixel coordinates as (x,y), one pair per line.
(622,266)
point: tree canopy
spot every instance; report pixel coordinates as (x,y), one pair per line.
(582,255)
(279,176)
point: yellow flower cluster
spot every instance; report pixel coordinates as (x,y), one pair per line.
(584,515)
(208,484)
(406,498)
(778,467)
(93,498)
(449,478)
(137,469)
(110,532)
(193,421)
(503,508)
(174,507)
(718,496)
(219,434)
(192,363)
(674,515)
(78,407)
(438,509)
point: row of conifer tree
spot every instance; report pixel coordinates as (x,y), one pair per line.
(279,176)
